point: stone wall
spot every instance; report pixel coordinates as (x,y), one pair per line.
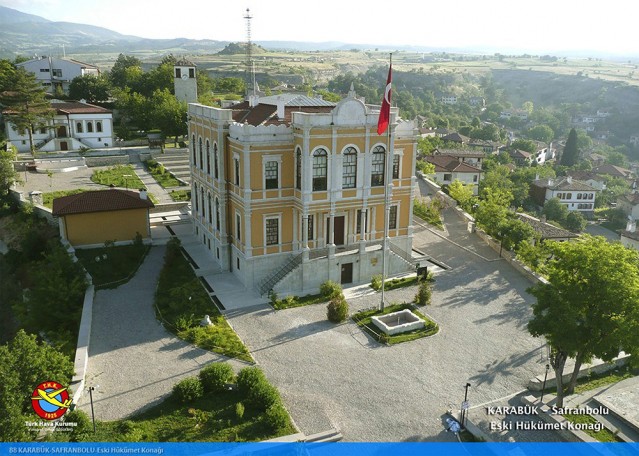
(111,160)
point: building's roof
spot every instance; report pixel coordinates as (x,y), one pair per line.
(184,62)
(564,183)
(632,198)
(99,201)
(77,107)
(612,170)
(583,175)
(44,57)
(465,153)
(446,163)
(521,154)
(265,112)
(456,137)
(546,230)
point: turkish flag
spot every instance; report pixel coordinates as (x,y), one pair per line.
(384,113)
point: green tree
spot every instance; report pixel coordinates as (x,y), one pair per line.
(461,193)
(25,363)
(7,75)
(118,74)
(570,155)
(541,133)
(90,87)
(588,308)
(524,144)
(26,104)
(575,222)
(493,209)
(7,174)
(512,232)
(168,114)
(554,210)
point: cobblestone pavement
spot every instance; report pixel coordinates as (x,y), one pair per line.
(133,361)
(336,376)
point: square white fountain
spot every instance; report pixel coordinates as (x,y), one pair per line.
(398,322)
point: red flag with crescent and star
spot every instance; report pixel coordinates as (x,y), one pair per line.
(384,113)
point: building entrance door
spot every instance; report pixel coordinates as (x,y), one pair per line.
(62,131)
(338,230)
(64,145)
(347,273)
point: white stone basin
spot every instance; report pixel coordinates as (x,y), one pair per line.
(398,322)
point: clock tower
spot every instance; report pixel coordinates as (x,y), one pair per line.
(184,81)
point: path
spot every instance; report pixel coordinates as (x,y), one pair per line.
(160,193)
(132,358)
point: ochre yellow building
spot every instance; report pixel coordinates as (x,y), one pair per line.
(92,218)
(288,191)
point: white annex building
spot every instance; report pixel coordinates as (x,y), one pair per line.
(76,125)
(56,73)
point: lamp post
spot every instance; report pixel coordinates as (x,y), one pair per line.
(91,389)
(465,406)
(543,387)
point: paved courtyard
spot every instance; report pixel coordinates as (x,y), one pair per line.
(336,376)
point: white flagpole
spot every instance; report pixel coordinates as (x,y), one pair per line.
(386,206)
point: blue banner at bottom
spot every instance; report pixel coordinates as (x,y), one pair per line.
(321,449)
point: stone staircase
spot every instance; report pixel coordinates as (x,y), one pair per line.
(176,161)
(270,281)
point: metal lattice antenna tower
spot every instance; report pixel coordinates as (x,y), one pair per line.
(250,68)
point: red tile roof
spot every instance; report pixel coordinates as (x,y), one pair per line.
(450,164)
(75,107)
(99,201)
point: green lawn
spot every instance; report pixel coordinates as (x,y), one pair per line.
(604,435)
(181,302)
(211,418)
(428,212)
(180,195)
(47,198)
(289,302)
(393,284)
(161,175)
(119,176)
(364,321)
(120,265)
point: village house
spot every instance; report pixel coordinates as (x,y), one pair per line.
(471,157)
(448,169)
(574,194)
(629,204)
(75,125)
(55,74)
(288,190)
(630,237)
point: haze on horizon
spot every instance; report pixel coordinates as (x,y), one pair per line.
(544,26)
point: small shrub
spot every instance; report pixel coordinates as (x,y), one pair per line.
(188,389)
(330,289)
(276,417)
(262,396)
(239,410)
(83,424)
(337,309)
(126,426)
(215,376)
(137,240)
(290,301)
(376,282)
(424,293)
(248,378)
(184,322)
(273,298)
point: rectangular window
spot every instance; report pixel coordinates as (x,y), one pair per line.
(238,227)
(377,174)
(236,161)
(349,173)
(396,167)
(272,231)
(44,70)
(475,177)
(57,73)
(191,73)
(178,72)
(310,227)
(270,175)
(358,225)
(448,177)
(392,218)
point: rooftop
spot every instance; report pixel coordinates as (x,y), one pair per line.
(563,183)
(99,201)
(446,163)
(546,230)
(265,111)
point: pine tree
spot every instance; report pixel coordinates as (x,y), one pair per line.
(25,103)
(570,155)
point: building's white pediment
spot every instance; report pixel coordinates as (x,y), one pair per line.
(349,111)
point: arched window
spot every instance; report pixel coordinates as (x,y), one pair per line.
(98,126)
(202,199)
(217,214)
(320,165)
(349,170)
(201,153)
(89,127)
(193,147)
(298,168)
(378,164)
(208,157)
(78,127)
(195,198)
(210,212)
(215,162)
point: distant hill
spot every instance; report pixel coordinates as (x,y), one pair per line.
(240,48)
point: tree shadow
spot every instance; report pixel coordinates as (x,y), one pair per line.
(504,367)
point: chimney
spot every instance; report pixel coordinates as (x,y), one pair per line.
(569,179)
(280,108)
(551,182)
(143,195)
(253,100)
(631,226)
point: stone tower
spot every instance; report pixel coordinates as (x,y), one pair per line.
(184,81)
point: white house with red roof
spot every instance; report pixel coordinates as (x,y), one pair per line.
(448,169)
(75,126)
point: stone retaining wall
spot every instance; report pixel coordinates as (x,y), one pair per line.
(111,160)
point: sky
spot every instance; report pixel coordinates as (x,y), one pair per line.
(539,27)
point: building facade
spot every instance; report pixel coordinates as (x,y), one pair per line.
(575,195)
(55,73)
(75,126)
(288,191)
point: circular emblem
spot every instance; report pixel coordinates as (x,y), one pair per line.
(50,400)
(185,76)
